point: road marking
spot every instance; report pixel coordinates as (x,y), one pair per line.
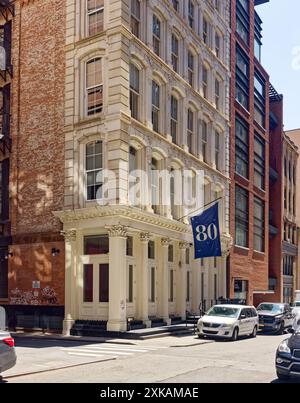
(116,349)
(69,351)
(86,355)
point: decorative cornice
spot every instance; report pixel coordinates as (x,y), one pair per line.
(69,235)
(73,216)
(117,231)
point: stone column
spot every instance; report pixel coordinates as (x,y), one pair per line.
(117,319)
(163,295)
(182,283)
(143,280)
(70,280)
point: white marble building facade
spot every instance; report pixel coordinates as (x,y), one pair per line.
(146,88)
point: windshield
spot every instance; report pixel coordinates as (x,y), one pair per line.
(270,307)
(297,304)
(223,311)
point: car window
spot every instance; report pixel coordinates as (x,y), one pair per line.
(254,313)
(243,312)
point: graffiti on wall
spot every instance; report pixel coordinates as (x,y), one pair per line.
(45,296)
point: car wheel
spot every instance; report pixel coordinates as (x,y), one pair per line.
(282,377)
(201,336)
(254,333)
(235,334)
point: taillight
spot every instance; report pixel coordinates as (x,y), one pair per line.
(9,341)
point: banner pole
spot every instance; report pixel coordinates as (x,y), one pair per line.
(200,208)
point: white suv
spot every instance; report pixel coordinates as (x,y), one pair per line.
(229,321)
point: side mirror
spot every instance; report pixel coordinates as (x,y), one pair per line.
(243,316)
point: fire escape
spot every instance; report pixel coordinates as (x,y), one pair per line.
(6,74)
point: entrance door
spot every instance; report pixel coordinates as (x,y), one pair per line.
(152,281)
(95,291)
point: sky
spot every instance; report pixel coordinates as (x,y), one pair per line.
(281,53)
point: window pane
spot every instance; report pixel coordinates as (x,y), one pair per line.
(88,283)
(103,283)
(96,245)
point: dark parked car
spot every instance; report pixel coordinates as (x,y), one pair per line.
(275,317)
(288,356)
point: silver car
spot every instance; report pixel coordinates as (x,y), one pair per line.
(8,356)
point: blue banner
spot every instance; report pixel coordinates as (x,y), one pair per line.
(206,230)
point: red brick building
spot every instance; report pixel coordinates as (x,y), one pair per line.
(249,150)
(32,161)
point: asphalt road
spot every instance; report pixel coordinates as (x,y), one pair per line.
(170,360)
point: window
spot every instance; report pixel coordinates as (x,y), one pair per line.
(191,14)
(241,217)
(259,162)
(103,283)
(134,91)
(171,285)
(135,17)
(204,141)
(190,130)
(93,167)
(154,186)
(241,148)
(205,82)
(152,285)
(156,35)
(257,37)
(205,32)
(259,100)
(242,78)
(175,52)
(191,68)
(188,286)
(130,284)
(171,254)
(175,5)
(151,250)
(94,86)
(88,283)
(174,118)
(96,245)
(217,149)
(95,13)
(243,19)
(129,246)
(218,45)
(133,179)
(217,93)
(259,225)
(4,190)
(4,274)
(155,106)
(187,256)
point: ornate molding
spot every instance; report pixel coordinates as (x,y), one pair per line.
(117,231)
(165,242)
(184,245)
(144,236)
(69,235)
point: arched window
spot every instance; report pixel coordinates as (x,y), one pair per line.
(95,16)
(191,14)
(204,141)
(156,98)
(156,35)
(218,150)
(94,87)
(155,196)
(174,119)
(176,192)
(134,91)
(190,130)
(175,53)
(205,81)
(133,166)
(191,68)
(93,169)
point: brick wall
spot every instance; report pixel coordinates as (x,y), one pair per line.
(37,160)
(246,264)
